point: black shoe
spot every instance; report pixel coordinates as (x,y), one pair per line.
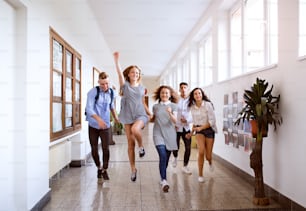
(112,142)
(141,152)
(105,175)
(134,176)
(99,176)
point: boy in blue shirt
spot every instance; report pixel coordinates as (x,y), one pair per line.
(98,108)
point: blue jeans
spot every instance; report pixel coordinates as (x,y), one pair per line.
(164,156)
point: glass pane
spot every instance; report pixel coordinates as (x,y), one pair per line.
(236,51)
(273,31)
(68,62)
(57,56)
(77,113)
(57,117)
(302,28)
(68,115)
(77,92)
(78,69)
(255,31)
(68,90)
(201,64)
(208,61)
(57,84)
(68,122)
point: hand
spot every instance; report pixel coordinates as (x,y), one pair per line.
(169,110)
(116,55)
(196,129)
(102,124)
(117,120)
(183,120)
(188,135)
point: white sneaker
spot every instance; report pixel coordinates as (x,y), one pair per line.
(164,185)
(211,167)
(186,170)
(174,162)
(201,179)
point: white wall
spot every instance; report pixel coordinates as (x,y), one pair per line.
(284,156)
(25,113)
(8,135)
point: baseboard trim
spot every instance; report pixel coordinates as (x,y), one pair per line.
(270,192)
(42,202)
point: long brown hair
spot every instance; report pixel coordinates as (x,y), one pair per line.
(191,97)
(173,95)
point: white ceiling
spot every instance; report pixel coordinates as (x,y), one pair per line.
(147,33)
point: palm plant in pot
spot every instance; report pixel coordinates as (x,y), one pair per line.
(261,108)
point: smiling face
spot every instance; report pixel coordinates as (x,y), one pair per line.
(165,94)
(197,95)
(134,74)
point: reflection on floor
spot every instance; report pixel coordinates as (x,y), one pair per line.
(77,188)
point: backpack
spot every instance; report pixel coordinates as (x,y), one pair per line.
(98,94)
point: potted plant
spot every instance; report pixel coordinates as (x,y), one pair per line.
(261,108)
(118,128)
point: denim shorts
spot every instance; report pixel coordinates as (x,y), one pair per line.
(208,132)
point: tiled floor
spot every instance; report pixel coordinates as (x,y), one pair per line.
(77,188)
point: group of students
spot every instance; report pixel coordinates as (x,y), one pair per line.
(172,115)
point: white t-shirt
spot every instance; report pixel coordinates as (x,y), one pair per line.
(203,115)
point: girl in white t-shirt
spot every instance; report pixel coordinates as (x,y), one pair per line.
(204,127)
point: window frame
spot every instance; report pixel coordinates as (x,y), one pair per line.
(268,37)
(76,78)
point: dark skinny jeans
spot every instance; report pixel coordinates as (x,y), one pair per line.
(187,143)
(105,136)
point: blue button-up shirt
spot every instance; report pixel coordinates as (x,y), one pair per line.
(102,107)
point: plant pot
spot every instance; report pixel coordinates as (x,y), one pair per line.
(254,129)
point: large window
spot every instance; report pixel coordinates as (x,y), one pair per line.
(208,61)
(65,86)
(205,61)
(253,35)
(302,28)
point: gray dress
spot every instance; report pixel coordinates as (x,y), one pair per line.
(164,132)
(132,107)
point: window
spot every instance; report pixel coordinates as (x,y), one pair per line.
(65,86)
(302,29)
(253,35)
(201,64)
(186,67)
(208,61)
(193,69)
(205,61)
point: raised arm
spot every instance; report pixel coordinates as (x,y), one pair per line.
(118,68)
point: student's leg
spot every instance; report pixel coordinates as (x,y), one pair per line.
(136,130)
(93,134)
(187,143)
(209,143)
(178,138)
(105,136)
(161,149)
(201,149)
(131,146)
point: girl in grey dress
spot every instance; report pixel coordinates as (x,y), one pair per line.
(164,132)
(134,113)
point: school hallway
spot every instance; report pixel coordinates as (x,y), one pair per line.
(77,188)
